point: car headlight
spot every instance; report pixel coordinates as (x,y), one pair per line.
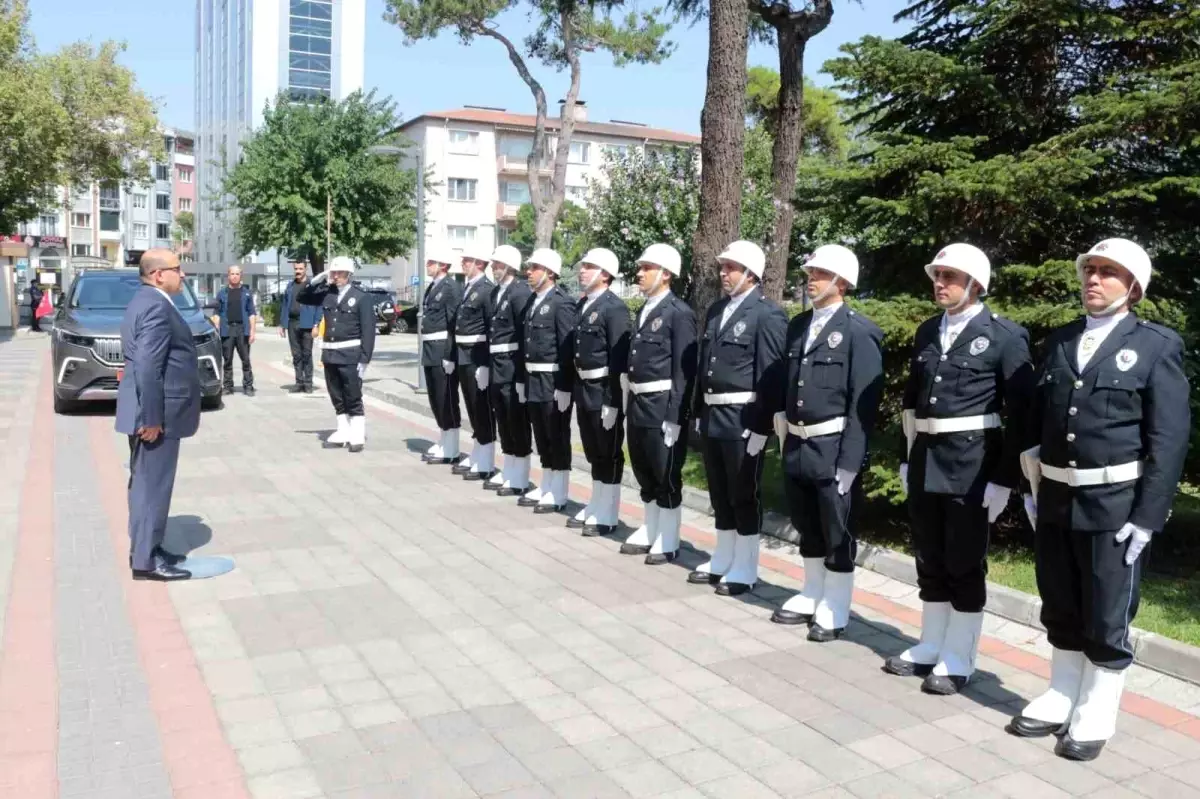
(72,338)
(205,337)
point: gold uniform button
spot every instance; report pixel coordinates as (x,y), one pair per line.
(1078,384)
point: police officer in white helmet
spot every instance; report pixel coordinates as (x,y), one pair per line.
(439,308)
(471,331)
(1108,434)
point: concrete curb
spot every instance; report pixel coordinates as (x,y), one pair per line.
(1150,649)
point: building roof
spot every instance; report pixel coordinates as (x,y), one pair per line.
(505,119)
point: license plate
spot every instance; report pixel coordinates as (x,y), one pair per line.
(120,374)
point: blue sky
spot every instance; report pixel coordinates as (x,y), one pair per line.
(442,73)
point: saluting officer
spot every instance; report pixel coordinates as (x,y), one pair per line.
(738,391)
(834,379)
(601,361)
(550,374)
(962,461)
(439,307)
(662,374)
(508,303)
(347,347)
(1109,425)
(474,369)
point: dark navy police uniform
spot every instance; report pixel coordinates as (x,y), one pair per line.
(601,358)
(471,352)
(508,305)
(550,367)
(349,341)
(439,308)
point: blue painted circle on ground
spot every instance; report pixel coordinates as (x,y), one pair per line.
(205,566)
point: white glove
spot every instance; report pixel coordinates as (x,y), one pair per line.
(845,479)
(781,430)
(670,433)
(1030,509)
(754,443)
(563,398)
(608,417)
(362,370)
(321,278)
(995,499)
(625,391)
(904,477)
(697,424)
(520,392)
(448,367)
(1137,537)
(482,376)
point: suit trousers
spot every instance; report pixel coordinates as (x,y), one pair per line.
(300,339)
(733,485)
(822,516)
(601,447)
(443,397)
(950,532)
(512,420)
(151,483)
(238,341)
(552,432)
(657,467)
(1089,595)
(345,388)
(479,409)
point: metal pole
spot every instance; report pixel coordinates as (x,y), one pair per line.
(421,389)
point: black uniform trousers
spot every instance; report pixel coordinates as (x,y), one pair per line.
(512,420)
(238,340)
(345,388)
(443,397)
(479,409)
(657,467)
(552,432)
(1089,595)
(300,339)
(950,533)
(601,447)
(733,485)
(822,517)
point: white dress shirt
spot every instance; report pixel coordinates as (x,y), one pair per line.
(1095,331)
(954,324)
(591,298)
(734,302)
(650,304)
(820,318)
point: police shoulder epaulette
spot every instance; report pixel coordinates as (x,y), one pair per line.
(1161,330)
(1005,323)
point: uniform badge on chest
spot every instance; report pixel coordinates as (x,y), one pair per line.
(351,302)
(980,345)
(474,294)
(1126,359)
(504,305)
(739,329)
(656,325)
(545,309)
(592,319)
(835,338)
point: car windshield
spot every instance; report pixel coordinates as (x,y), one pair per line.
(112,292)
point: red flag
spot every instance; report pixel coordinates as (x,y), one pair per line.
(45,308)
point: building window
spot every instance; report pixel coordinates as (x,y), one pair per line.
(185,204)
(139,201)
(49,224)
(514,193)
(310,34)
(460,235)
(162,202)
(615,152)
(140,230)
(110,220)
(162,172)
(515,149)
(461,189)
(502,234)
(81,220)
(581,152)
(577,194)
(81,249)
(464,142)
(185,175)
(162,230)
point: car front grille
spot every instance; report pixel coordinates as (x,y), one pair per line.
(105,384)
(108,351)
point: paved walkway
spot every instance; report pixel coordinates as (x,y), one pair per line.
(393,632)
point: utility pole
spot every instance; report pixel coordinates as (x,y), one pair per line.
(328,226)
(421,389)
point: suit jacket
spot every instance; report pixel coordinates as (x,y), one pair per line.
(161,384)
(472,319)
(663,348)
(310,315)
(549,338)
(223,308)
(507,326)
(601,340)
(351,319)
(439,307)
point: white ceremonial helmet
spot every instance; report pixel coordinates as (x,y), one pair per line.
(506,255)
(967,259)
(1121,252)
(477,252)
(441,255)
(745,254)
(663,256)
(341,263)
(547,258)
(836,259)
(604,259)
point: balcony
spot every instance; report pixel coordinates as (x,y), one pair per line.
(510,165)
(507,212)
(184,159)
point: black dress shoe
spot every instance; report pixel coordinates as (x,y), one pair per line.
(249,391)
(902,668)
(296,389)
(227,390)
(308,389)
(591,530)
(1025,727)
(460,468)
(527,502)
(474,477)
(733,589)
(510,491)
(169,558)
(575,524)
(823,635)
(163,573)
(488,485)
(943,686)
(331,445)
(540,509)
(432,461)
(356,448)
(781,616)
(703,578)
(1071,749)
(635,549)
(661,558)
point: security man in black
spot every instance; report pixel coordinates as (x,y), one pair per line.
(834,380)
(601,361)
(347,347)
(474,366)
(508,303)
(738,391)
(1108,435)
(439,308)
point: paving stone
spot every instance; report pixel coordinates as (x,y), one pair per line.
(494,776)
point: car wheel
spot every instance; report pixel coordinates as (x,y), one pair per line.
(211,403)
(401,326)
(63,406)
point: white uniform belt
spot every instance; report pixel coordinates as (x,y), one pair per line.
(470,339)
(651,387)
(593,374)
(441,335)
(511,346)
(735,398)
(541,367)
(828,427)
(1103,475)
(958,424)
(341,345)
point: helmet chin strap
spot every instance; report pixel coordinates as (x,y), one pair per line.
(825,292)
(653,287)
(592,283)
(542,282)
(734,291)
(966,297)
(1115,306)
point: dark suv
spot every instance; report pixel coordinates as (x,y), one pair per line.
(88,362)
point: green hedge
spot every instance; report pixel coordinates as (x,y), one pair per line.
(269,311)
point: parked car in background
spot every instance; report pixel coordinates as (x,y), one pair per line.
(406,319)
(384,302)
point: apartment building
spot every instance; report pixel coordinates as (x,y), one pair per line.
(151,210)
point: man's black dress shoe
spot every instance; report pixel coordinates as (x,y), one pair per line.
(733,589)
(356,448)
(548,508)
(703,578)
(474,477)
(660,558)
(943,686)
(308,389)
(575,524)
(821,635)
(902,668)
(460,468)
(781,616)
(527,502)
(227,390)
(249,392)
(1025,727)
(590,530)
(169,558)
(635,549)
(510,491)
(163,573)
(1071,749)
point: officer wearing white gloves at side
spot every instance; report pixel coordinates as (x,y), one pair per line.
(738,391)
(471,336)
(347,347)
(439,307)
(834,361)
(965,406)
(506,336)
(1108,434)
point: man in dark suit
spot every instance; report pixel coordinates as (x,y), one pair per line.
(35,299)
(237,321)
(470,355)
(158,404)
(510,298)
(296,321)
(439,307)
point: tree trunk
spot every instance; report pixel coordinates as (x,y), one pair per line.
(785,152)
(317,259)
(722,137)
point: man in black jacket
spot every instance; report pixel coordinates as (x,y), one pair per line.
(737,394)
(474,370)
(831,395)
(662,374)
(969,367)
(508,303)
(1108,434)
(439,307)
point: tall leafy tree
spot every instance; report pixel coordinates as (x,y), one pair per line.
(571,235)
(565,30)
(311,166)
